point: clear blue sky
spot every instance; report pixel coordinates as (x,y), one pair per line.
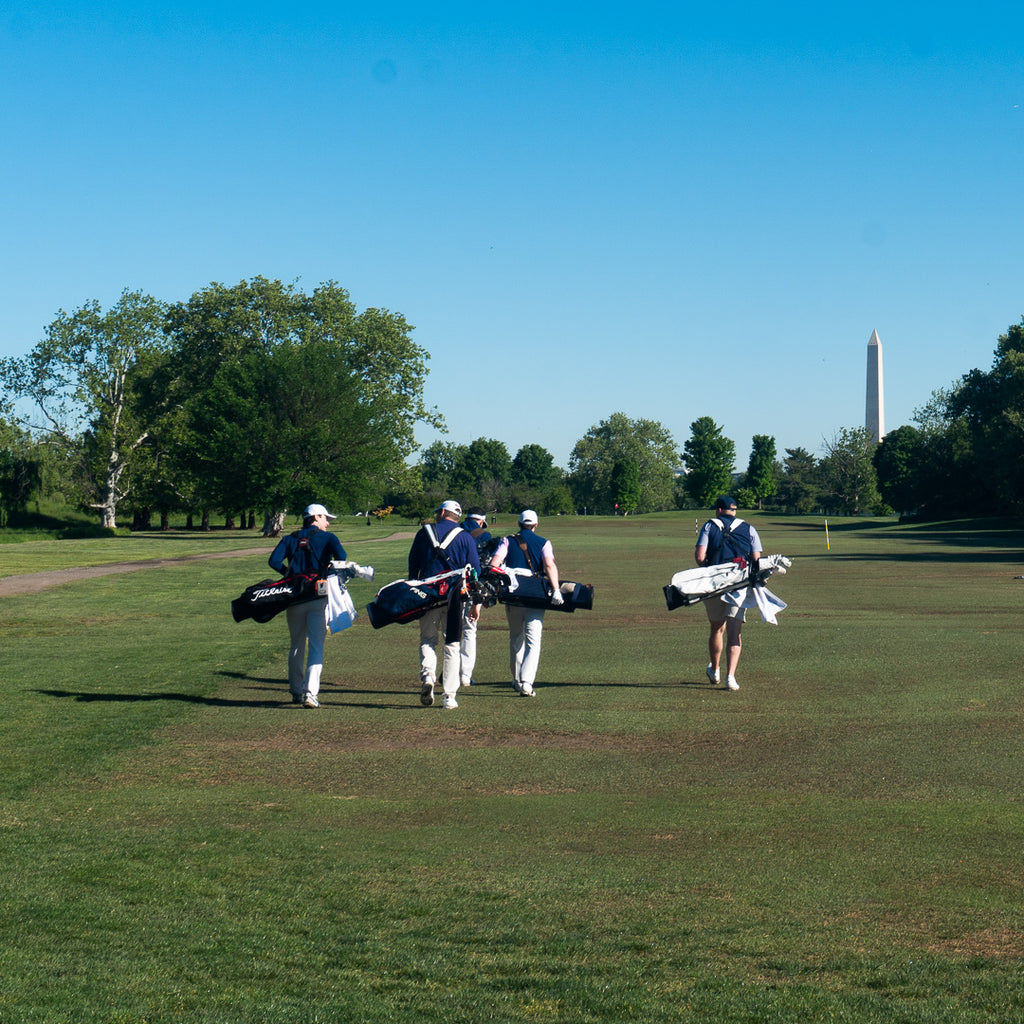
(665,209)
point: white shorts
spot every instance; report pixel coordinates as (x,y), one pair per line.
(718,610)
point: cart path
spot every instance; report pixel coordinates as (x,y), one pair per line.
(34,582)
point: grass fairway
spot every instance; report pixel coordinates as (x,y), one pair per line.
(840,840)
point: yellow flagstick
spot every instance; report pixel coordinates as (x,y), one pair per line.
(828,546)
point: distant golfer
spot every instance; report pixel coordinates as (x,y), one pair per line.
(527,550)
(438,548)
(725,539)
(307,551)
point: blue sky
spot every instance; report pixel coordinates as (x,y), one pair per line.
(670,210)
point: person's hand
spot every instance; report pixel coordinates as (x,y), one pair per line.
(556,598)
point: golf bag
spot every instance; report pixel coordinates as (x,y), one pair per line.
(263,600)
(520,586)
(408,600)
(691,586)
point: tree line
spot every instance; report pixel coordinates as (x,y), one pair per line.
(244,400)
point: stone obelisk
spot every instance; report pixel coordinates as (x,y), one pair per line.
(874,409)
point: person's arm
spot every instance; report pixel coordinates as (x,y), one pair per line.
(278,556)
(551,571)
(500,553)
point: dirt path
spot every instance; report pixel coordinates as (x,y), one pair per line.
(33,583)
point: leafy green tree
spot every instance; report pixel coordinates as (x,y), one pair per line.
(761,478)
(991,407)
(533,465)
(626,486)
(487,462)
(317,432)
(20,475)
(368,357)
(440,463)
(646,442)
(709,458)
(84,378)
(900,462)
(849,482)
(798,488)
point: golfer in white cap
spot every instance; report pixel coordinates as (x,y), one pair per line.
(307,551)
(527,550)
(426,559)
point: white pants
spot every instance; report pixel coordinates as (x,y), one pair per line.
(453,668)
(467,649)
(307,626)
(525,626)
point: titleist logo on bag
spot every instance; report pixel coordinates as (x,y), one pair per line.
(279,591)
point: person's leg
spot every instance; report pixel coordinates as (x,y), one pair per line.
(715,643)
(296,616)
(430,629)
(316,635)
(467,648)
(533,628)
(733,645)
(516,616)
(450,673)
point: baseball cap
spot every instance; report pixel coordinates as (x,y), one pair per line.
(450,506)
(527,517)
(724,501)
(317,510)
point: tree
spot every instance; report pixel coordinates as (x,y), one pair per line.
(899,463)
(487,462)
(646,442)
(798,489)
(84,378)
(20,475)
(626,486)
(761,479)
(709,458)
(848,477)
(317,433)
(991,406)
(534,466)
(369,356)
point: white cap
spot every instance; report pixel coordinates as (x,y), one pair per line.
(450,506)
(527,517)
(317,510)
(478,515)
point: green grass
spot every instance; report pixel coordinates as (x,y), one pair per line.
(838,841)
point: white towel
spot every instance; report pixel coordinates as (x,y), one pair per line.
(759,597)
(341,611)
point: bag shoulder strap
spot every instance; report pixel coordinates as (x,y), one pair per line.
(441,547)
(526,552)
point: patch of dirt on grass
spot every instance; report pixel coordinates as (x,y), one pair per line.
(992,943)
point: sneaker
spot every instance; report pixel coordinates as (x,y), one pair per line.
(517,686)
(309,701)
(427,694)
(730,681)
(450,703)
(527,690)
(713,674)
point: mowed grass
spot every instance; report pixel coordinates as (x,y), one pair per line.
(840,840)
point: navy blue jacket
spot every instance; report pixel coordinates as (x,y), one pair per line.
(323,546)
(425,560)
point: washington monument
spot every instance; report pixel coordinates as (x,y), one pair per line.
(874,410)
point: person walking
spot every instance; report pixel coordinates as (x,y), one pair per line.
(725,539)
(527,550)
(437,548)
(307,551)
